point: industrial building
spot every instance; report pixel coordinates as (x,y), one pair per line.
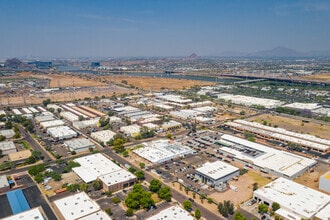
(296,201)
(69,116)
(263,158)
(130,130)
(85,124)
(8,133)
(17,201)
(77,206)
(43,118)
(49,124)
(324,182)
(79,145)
(4,185)
(309,142)
(61,132)
(171,125)
(216,173)
(304,108)
(103,136)
(34,213)
(7,147)
(117,180)
(97,166)
(172,213)
(250,101)
(161,151)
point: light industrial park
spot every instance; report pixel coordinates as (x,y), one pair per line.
(165,110)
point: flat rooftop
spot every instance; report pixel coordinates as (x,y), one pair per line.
(29,214)
(93,166)
(295,197)
(117,177)
(76,206)
(280,161)
(217,169)
(172,213)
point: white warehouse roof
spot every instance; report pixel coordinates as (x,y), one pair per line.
(93,166)
(293,197)
(217,169)
(33,213)
(103,136)
(172,213)
(117,177)
(76,206)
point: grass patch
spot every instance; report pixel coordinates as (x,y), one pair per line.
(258,179)
(155,197)
(25,144)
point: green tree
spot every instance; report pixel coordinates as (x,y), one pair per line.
(187,205)
(165,193)
(125,153)
(34,170)
(39,177)
(255,186)
(263,208)
(132,170)
(155,185)
(83,187)
(108,211)
(108,193)
(8,125)
(198,214)
(239,216)
(275,206)
(115,200)
(129,212)
(97,184)
(142,165)
(139,174)
(2,138)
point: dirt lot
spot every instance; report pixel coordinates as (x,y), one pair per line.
(295,125)
(150,83)
(311,179)
(323,77)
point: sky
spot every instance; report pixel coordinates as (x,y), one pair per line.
(126,28)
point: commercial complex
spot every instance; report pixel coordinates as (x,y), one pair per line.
(172,213)
(49,124)
(162,150)
(216,173)
(130,130)
(79,144)
(34,213)
(296,201)
(266,159)
(8,133)
(117,180)
(309,142)
(171,125)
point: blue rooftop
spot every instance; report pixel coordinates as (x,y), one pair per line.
(17,201)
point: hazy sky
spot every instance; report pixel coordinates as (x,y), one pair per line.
(160,27)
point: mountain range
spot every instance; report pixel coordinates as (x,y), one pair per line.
(277,52)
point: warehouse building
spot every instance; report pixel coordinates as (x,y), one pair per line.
(161,151)
(117,180)
(49,124)
(216,173)
(250,101)
(34,213)
(79,145)
(7,147)
(304,108)
(69,116)
(324,213)
(130,130)
(171,125)
(172,213)
(324,183)
(8,133)
(296,201)
(78,206)
(17,201)
(103,136)
(61,132)
(263,158)
(85,124)
(4,185)
(310,142)
(43,118)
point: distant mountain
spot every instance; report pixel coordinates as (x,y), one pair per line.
(192,56)
(278,52)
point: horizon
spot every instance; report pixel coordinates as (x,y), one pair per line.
(161,28)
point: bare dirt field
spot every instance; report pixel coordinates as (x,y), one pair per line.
(150,83)
(323,77)
(245,188)
(311,179)
(320,130)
